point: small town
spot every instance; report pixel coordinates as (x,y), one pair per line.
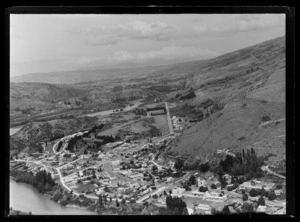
(151,113)
(130,171)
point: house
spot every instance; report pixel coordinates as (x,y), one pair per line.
(214,196)
(190,209)
(169,179)
(178,192)
(261,209)
(198,193)
(247,186)
(134,185)
(201,182)
(227,177)
(204,207)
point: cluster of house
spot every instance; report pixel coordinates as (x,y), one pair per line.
(177,123)
(256,184)
(199,209)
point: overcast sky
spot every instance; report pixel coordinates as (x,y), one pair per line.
(46,43)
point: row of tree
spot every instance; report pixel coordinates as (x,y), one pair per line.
(42,180)
(246,164)
(175,206)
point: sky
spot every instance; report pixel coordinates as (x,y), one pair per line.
(57,42)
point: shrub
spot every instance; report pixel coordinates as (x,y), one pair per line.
(213,186)
(261,201)
(245,197)
(253,193)
(226,210)
(247,208)
(204,167)
(271,195)
(203,189)
(265,118)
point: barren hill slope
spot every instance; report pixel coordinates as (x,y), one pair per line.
(251,85)
(40,94)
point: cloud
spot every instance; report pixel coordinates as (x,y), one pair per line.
(243,23)
(136,30)
(168,53)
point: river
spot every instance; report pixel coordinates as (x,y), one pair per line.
(25,198)
(13,130)
(135,103)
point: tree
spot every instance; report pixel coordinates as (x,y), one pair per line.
(192,179)
(247,208)
(213,186)
(271,195)
(154,168)
(261,201)
(263,192)
(245,197)
(178,164)
(204,167)
(100,201)
(203,189)
(253,193)
(226,210)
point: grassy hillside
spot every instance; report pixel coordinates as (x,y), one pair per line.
(41,95)
(35,132)
(250,83)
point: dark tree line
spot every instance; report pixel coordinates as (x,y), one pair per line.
(42,180)
(175,206)
(243,164)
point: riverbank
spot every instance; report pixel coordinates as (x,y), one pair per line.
(23,197)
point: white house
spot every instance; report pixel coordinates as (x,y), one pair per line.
(261,209)
(169,179)
(190,209)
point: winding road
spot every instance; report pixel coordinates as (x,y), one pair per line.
(266,168)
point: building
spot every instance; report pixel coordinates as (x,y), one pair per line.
(214,196)
(261,209)
(169,179)
(204,207)
(247,186)
(134,185)
(156,111)
(190,209)
(278,192)
(178,192)
(201,182)
(198,193)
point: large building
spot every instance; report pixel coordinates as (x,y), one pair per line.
(247,186)
(156,111)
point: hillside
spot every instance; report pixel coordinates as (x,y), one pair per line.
(243,87)
(40,95)
(250,84)
(83,75)
(33,133)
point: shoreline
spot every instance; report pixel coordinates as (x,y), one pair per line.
(50,197)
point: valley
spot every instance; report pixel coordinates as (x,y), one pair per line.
(210,131)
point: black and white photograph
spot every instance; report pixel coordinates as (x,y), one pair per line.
(135,113)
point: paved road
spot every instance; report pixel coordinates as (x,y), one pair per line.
(169,119)
(266,168)
(160,189)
